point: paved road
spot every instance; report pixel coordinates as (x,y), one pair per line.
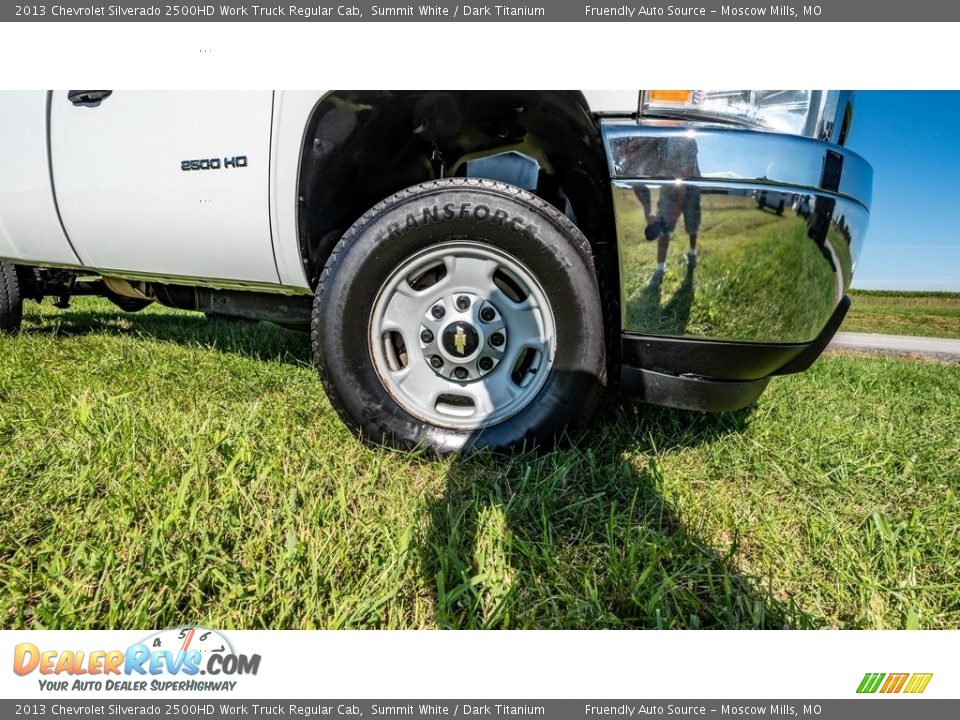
(938,348)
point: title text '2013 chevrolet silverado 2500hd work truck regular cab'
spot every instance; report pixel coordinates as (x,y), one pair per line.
(475,267)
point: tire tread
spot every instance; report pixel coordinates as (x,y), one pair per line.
(11,301)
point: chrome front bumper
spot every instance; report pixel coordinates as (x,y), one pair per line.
(779,221)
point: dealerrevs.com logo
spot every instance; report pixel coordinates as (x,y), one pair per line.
(169,660)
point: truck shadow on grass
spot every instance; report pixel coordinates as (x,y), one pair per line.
(582,537)
(259,340)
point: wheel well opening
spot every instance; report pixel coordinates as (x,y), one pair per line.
(362,146)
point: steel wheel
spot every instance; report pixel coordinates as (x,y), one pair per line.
(462,335)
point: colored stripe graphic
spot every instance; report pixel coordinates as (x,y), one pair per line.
(918,683)
(894,683)
(870,682)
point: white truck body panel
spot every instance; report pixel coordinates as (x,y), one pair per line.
(613,102)
(126,203)
(29,225)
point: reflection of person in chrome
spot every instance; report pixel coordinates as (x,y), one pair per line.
(673,157)
(675,200)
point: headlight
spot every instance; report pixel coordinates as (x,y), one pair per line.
(798,112)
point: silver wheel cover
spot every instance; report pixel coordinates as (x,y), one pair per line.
(462,335)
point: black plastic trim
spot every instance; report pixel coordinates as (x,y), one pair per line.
(710,358)
(690,392)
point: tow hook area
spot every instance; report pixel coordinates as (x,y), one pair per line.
(690,392)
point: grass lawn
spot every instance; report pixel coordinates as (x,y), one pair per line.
(158,469)
(904,313)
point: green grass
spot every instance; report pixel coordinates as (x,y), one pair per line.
(158,469)
(933,314)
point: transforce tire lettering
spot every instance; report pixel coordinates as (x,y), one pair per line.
(449,211)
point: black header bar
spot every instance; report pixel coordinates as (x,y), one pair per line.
(447,11)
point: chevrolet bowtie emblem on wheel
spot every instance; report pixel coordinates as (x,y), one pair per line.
(460,340)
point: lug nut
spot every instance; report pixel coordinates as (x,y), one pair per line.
(487,314)
(463,302)
(460,373)
(496,339)
(426,337)
(485,363)
(437,311)
(436,361)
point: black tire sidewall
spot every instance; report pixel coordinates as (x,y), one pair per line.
(541,239)
(11,301)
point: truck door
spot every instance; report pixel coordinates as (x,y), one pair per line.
(29,227)
(174,184)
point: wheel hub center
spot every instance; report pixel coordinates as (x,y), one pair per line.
(460,340)
(462,336)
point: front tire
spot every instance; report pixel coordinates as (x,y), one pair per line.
(460,314)
(11,301)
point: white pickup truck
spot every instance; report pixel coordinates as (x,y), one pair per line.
(476,268)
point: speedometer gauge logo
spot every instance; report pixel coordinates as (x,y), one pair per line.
(185,639)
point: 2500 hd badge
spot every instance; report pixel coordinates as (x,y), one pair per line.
(236,161)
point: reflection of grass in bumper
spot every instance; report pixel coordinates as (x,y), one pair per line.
(759,277)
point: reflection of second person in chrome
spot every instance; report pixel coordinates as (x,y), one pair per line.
(677,158)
